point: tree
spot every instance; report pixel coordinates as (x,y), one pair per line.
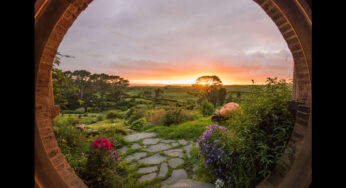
(208,87)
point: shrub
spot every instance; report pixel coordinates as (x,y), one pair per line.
(101,164)
(138,124)
(80,110)
(99,118)
(137,114)
(260,131)
(176,116)
(154,116)
(67,135)
(112,115)
(216,152)
(68,111)
(207,108)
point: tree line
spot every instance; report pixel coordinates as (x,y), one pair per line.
(80,88)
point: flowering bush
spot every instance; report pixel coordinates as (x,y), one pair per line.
(257,137)
(216,151)
(101,164)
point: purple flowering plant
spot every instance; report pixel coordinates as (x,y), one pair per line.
(216,151)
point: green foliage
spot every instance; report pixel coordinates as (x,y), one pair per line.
(154,116)
(260,131)
(67,135)
(99,169)
(176,116)
(80,110)
(134,115)
(99,118)
(207,108)
(112,115)
(138,124)
(187,130)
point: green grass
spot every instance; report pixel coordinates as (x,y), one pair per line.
(187,130)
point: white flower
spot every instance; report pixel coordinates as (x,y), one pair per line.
(219,183)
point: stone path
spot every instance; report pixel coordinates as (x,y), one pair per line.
(162,159)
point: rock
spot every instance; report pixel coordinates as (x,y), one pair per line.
(163,170)
(149,141)
(188,149)
(176,176)
(145,170)
(138,136)
(182,142)
(174,153)
(175,144)
(167,141)
(158,147)
(147,177)
(154,159)
(123,149)
(228,108)
(135,156)
(175,162)
(135,146)
(189,183)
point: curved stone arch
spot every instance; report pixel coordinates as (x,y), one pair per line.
(54,17)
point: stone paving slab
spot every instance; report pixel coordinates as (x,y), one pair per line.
(149,141)
(138,136)
(176,176)
(135,146)
(182,142)
(167,141)
(158,147)
(123,149)
(175,144)
(163,170)
(174,152)
(188,149)
(147,177)
(175,162)
(135,156)
(189,183)
(147,169)
(154,159)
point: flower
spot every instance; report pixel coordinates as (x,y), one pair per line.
(102,143)
(219,183)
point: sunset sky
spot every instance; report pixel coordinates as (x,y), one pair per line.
(176,41)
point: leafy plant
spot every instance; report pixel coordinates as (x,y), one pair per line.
(100,167)
(138,124)
(112,115)
(207,108)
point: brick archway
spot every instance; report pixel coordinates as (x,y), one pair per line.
(54,17)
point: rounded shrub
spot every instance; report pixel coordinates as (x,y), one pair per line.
(138,124)
(207,108)
(112,115)
(80,110)
(99,118)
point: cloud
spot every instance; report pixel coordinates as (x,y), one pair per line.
(156,39)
